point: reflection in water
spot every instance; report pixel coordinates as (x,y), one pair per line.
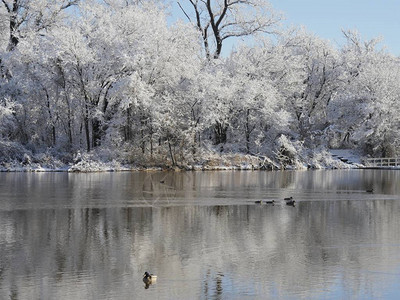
(92,236)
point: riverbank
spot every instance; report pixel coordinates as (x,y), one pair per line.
(93,162)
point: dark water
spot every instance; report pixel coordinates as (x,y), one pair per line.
(92,236)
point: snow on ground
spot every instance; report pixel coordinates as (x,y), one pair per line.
(347,155)
(102,161)
(332,159)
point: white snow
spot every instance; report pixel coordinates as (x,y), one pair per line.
(352,156)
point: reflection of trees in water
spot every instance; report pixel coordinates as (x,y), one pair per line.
(213,184)
(217,250)
(213,285)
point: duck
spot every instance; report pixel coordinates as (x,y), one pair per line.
(149,278)
(370,191)
(290,201)
(270,201)
(258,202)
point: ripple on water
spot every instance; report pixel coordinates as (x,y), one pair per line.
(93,237)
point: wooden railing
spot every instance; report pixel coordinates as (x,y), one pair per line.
(383,162)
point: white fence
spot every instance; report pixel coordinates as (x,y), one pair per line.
(383,162)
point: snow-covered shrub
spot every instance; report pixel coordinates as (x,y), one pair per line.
(322,159)
(7,108)
(290,153)
(92,162)
(10,151)
(49,160)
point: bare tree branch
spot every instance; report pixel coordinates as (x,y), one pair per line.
(6,6)
(231,18)
(70,3)
(187,16)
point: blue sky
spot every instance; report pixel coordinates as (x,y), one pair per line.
(372,18)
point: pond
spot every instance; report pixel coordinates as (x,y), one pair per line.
(92,236)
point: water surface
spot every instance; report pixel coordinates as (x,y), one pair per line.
(92,236)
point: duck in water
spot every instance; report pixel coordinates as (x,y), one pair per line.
(290,201)
(149,279)
(266,202)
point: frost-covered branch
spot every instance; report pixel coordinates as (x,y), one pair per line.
(231,18)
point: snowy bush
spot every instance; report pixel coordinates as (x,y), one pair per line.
(7,108)
(322,159)
(92,162)
(10,151)
(290,153)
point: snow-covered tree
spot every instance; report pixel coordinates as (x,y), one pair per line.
(258,114)
(366,109)
(7,109)
(24,16)
(219,20)
(318,73)
(116,77)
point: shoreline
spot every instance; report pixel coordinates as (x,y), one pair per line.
(187,170)
(197,168)
(92,163)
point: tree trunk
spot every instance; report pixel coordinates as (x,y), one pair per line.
(13,41)
(247,131)
(151,140)
(69,125)
(143,142)
(127,127)
(87,131)
(96,133)
(143,123)
(171,152)
(220,130)
(53,127)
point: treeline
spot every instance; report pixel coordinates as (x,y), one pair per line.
(115,77)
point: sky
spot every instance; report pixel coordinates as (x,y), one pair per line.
(372,18)
(327,18)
